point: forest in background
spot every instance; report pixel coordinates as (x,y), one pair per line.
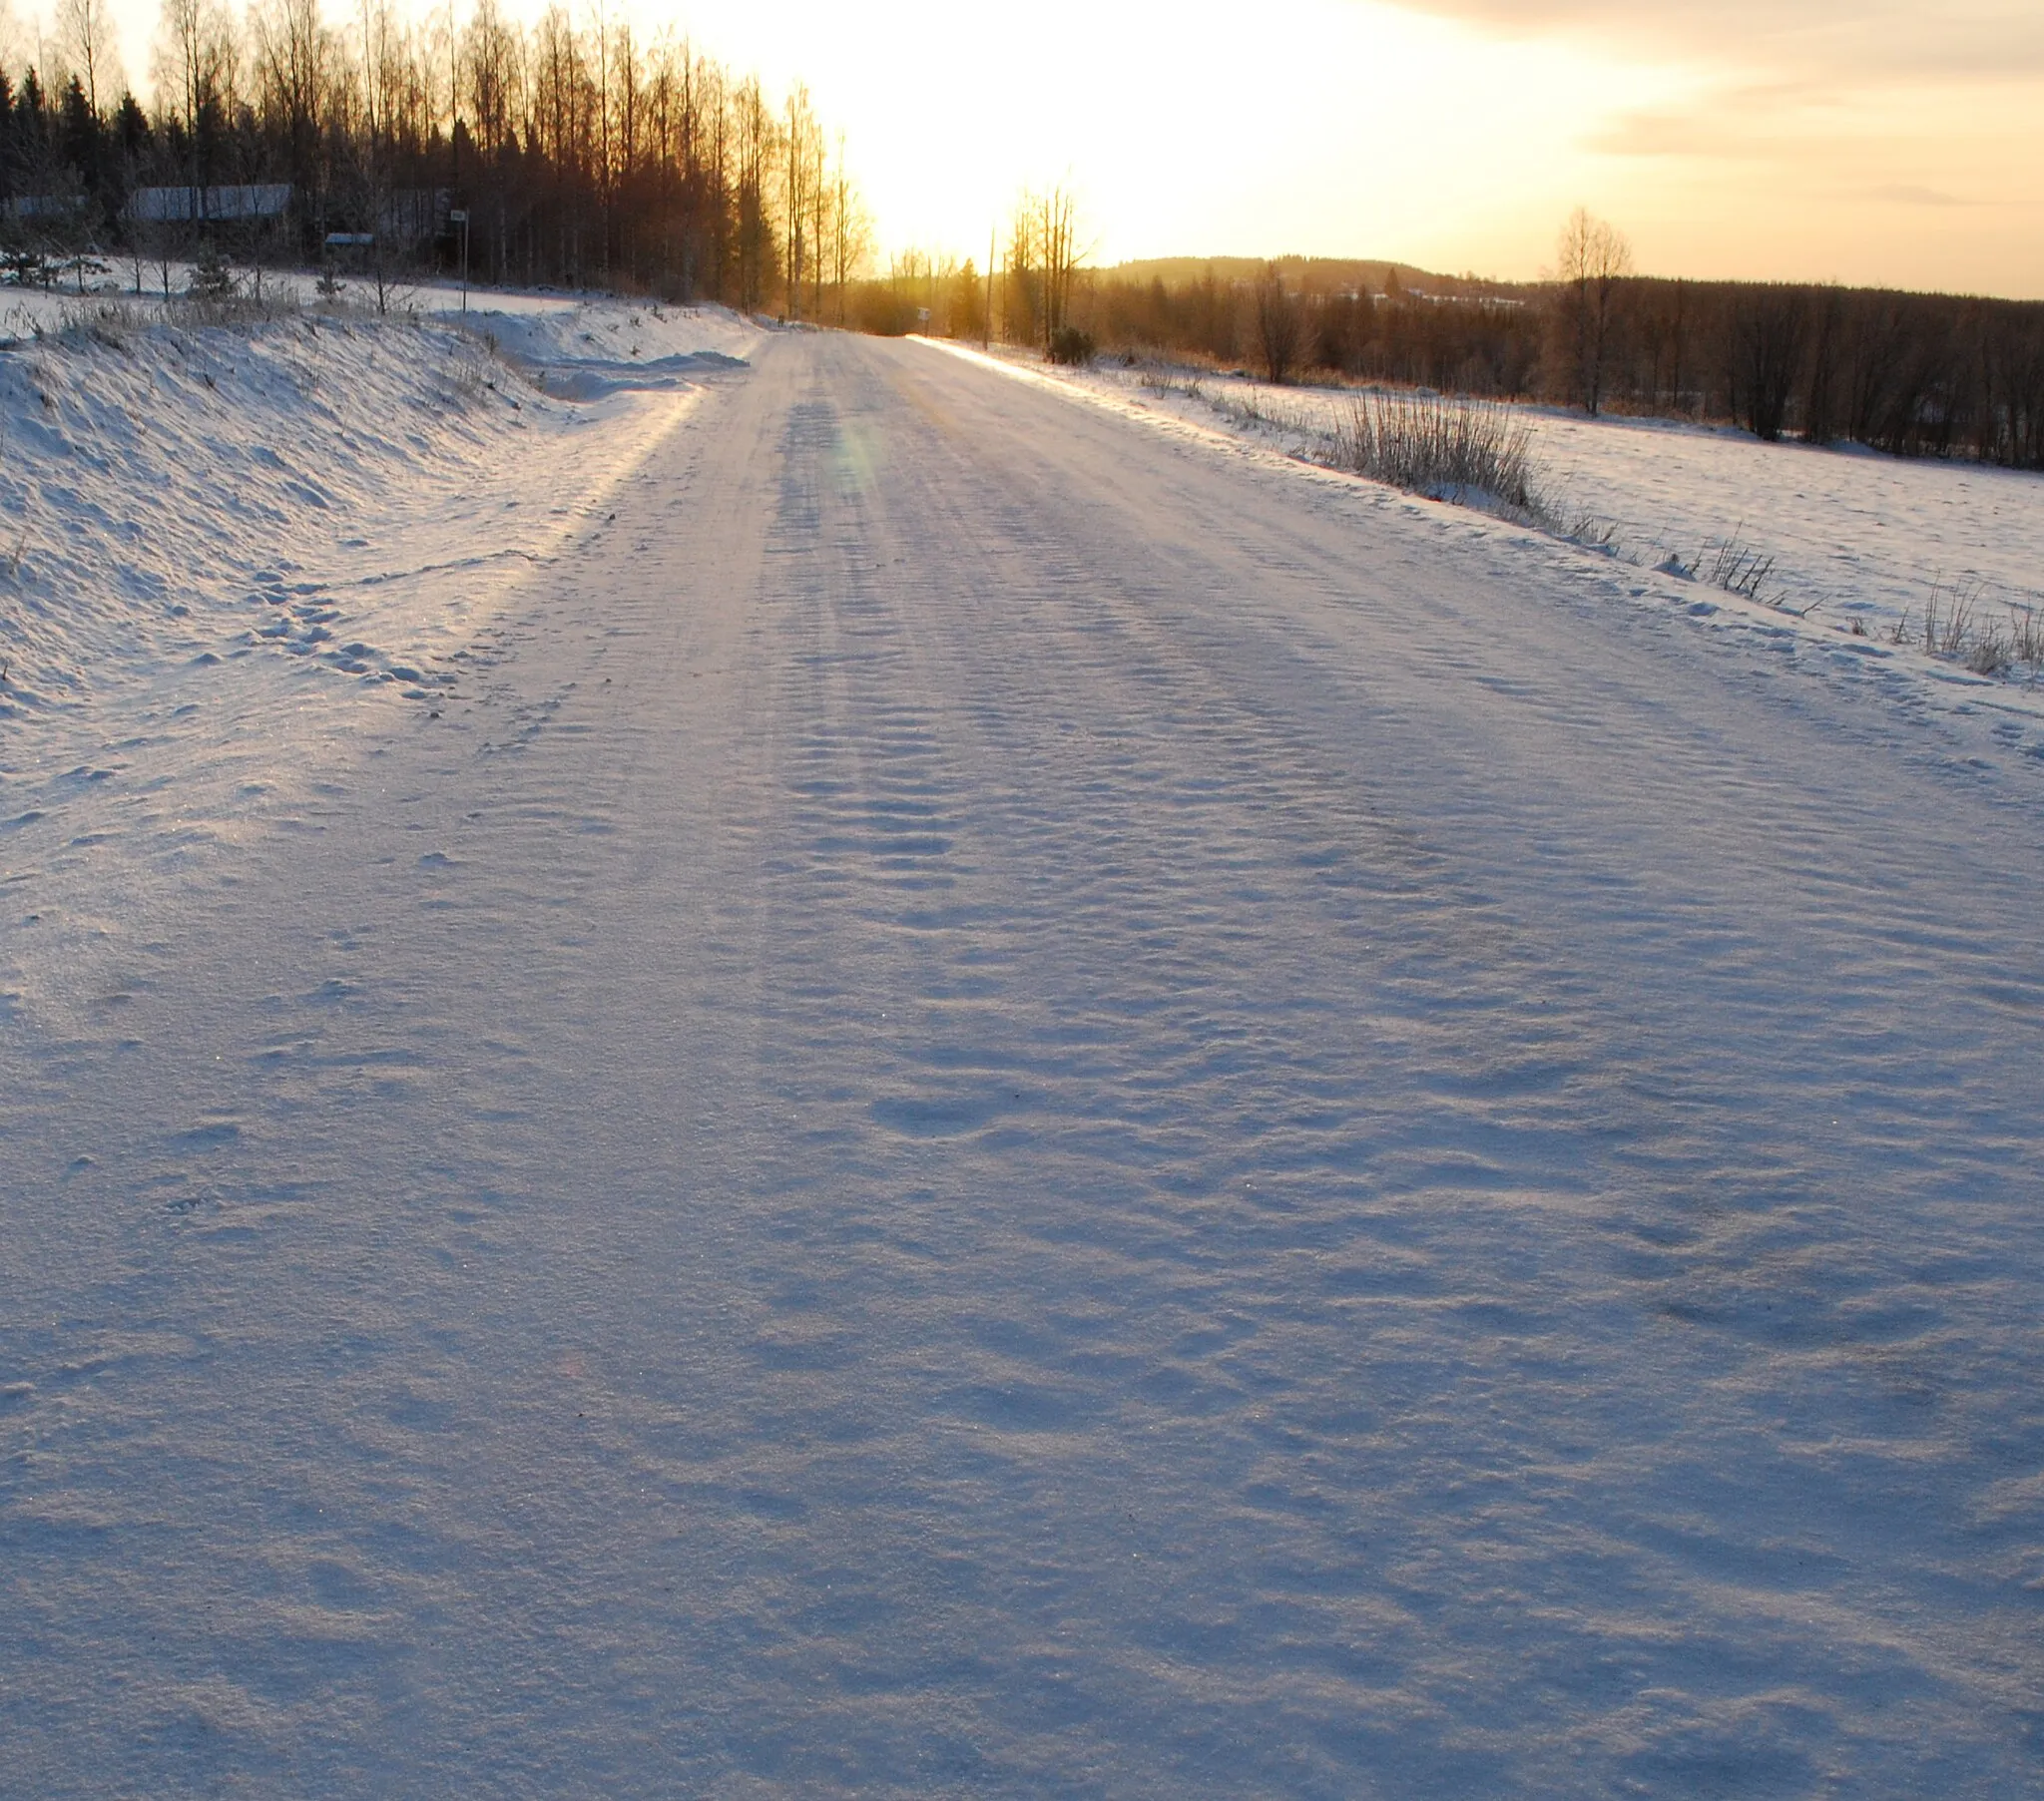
(581,156)
(1910,373)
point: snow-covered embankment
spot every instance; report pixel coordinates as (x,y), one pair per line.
(175,495)
(230,552)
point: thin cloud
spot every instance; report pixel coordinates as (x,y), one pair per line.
(1904,194)
(1830,40)
(1740,121)
(1670,134)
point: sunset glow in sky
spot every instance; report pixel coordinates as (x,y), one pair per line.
(1858,139)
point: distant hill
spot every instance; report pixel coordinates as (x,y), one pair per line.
(1310,275)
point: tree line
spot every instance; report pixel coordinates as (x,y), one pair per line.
(1915,374)
(581,155)
(1911,373)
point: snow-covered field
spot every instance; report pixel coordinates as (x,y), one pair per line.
(1852,533)
(999,1101)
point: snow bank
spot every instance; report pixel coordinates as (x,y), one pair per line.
(333,494)
(229,557)
(182,496)
(588,351)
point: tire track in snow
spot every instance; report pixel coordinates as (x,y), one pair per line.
(1074,1120)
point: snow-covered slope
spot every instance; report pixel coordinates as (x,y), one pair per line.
(213,536)
(228,554)
(1852,533)
(588,351)
(191,495)
(171,493)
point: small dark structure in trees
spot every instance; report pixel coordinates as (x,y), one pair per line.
(581,155)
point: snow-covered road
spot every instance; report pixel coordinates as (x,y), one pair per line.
(1024,1107)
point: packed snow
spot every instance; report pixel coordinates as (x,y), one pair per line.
(1004,1099)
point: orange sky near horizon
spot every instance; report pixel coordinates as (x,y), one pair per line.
(1862,141)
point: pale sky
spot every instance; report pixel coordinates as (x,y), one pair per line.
(1854,139)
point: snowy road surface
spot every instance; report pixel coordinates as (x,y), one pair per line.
(1023,1107)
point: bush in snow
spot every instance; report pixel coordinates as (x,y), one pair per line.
(1451,449)
(1950,628)
(1068,344)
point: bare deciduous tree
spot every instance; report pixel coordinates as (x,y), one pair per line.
(1280,331)
(290,50)
(1057,241)
(754,136)
(10,37)
(1769,324)
(1043,255)
(493,57)
(197,64)
(85,30)
(850,230)
(802,178)
(576,149)
(1821,387)
(1594,258)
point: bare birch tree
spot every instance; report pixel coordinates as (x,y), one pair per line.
(801,174)
(1594,258)
(84,32)
(1057,247)
(754,144)
(290,50)
(196,60)
(850,232)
